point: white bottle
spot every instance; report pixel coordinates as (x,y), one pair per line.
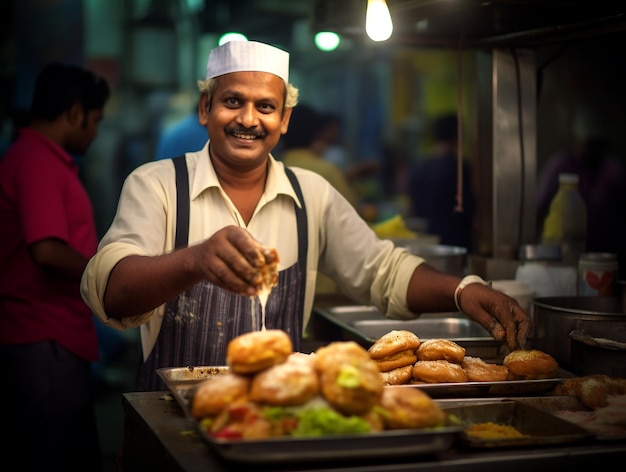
(566,223)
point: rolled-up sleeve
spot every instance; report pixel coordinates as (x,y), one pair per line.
(141,227)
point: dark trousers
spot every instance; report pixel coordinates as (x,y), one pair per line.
(47,410)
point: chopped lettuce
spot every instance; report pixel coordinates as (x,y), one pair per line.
(320,421)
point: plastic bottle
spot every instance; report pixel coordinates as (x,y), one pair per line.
(566,223)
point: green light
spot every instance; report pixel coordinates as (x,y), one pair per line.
(327,40)
(231,36)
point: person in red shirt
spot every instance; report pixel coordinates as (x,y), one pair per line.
(47,333)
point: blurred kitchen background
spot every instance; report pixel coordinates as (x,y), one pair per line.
(517,72)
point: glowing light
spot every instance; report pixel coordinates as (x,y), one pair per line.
(232,36)
(327,40)
(378,23)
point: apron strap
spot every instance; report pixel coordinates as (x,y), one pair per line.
(182,202)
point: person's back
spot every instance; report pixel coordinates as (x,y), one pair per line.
(47,333)
(433,191)
(185,135)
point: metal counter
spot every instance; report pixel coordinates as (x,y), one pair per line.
(158,437)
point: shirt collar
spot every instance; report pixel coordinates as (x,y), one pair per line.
(277,181)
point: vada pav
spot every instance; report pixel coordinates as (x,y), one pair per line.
(409,408)
(255,351)
(438,371)
(530,364)
(216,393)
(440,349)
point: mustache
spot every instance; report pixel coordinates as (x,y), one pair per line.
(256,132)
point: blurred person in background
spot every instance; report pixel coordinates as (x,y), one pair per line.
(602,184)
(181,136)
(432,188)
(48,335)
(310,135)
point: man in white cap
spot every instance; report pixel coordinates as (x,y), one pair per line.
(183,256)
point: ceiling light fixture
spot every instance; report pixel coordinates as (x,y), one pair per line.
(378,23)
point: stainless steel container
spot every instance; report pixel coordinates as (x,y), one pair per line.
(556,317)
(449,259)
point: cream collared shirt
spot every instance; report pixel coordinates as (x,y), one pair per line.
(368,270)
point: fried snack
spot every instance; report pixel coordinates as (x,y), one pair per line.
(409,408)
(216,393)
(399,359)
(392,342)
(530,364)
(440,349)
(258,350)
(438,371)
(399,376)
(268,271)
(291,383)
(592,390)
(478,370)
(350,380)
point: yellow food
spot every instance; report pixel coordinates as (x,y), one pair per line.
(492,430)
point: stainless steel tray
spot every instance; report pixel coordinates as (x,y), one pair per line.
(394,443)
(539,427)
(365,324)
(484,389)
(183,380)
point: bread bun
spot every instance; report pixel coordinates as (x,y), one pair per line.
(291,383)
(438,371)
(530,364)
(216,393)
(350,380)
(399,376)
(392,342)
(440,349)
(255,351)
(478,370)
(399,359)
(409,408)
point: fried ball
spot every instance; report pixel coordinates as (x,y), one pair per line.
(440,349)
(216,393)
(409,408)
(439,371)
(399,376)
(399,359)
(350,380)
(392,342)
(258,350)
(478,370)
(530,364)
(291,383)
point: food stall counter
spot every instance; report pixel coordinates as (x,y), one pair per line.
(159,437)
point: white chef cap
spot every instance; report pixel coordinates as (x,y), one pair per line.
(239,56)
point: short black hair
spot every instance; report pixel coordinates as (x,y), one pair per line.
(304,125)
(59,86)
(446,128)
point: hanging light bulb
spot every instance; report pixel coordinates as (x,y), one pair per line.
(378,23)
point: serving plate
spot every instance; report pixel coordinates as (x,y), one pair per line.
(182,381)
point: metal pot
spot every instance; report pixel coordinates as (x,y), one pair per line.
(448,259)
(556,317)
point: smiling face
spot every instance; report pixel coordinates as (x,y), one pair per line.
(245,119)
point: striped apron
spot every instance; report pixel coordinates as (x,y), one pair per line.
(199,323)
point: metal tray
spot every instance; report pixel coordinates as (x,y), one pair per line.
(483,389)
(183,380)
(394,443)
(365,324)
(539,427)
